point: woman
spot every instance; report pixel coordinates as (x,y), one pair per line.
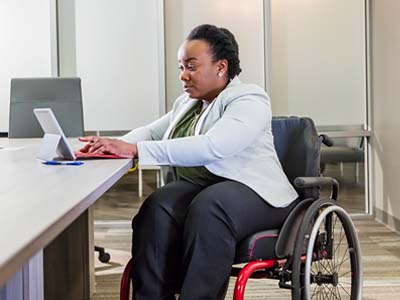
(229,182)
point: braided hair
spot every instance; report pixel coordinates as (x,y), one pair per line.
(222,43)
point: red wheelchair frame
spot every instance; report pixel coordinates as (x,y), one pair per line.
(255,269)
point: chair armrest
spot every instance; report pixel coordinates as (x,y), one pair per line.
(325,139)
(307,182)
(310,182)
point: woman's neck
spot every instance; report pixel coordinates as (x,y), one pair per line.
(214,93)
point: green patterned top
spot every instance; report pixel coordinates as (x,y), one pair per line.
(186,127)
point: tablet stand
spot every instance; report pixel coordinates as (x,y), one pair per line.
(48,148)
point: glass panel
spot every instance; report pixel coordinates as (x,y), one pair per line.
(318,60)
(345,162)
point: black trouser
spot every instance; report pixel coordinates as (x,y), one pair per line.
(184,238)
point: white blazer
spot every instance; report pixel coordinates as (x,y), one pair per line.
(233,139)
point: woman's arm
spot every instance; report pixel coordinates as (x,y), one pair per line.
(152,131)
(241,123)
(125,146)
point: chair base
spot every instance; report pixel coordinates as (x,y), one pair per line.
(104,256)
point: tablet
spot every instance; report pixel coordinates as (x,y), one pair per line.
(51,127)
(54,141)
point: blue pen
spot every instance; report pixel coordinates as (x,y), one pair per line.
(63,163)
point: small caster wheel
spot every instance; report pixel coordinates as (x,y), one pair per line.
(104,257)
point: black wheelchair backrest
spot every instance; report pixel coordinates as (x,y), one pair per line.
(298,148)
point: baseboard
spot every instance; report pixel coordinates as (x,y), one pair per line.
(106,132)
(3,134)
(387,219)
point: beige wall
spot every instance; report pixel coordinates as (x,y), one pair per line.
(385,110)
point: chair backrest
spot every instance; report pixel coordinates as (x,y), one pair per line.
(298,147)
(62,95)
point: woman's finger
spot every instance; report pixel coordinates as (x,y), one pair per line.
(86,138)
(103,149)
(85,148)
(93,149)
(95,145)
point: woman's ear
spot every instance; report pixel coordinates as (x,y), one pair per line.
(222,67)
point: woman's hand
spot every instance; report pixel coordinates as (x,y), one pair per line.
(102,145)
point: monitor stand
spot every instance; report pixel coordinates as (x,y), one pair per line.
(49,146)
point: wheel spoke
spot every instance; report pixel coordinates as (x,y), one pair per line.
(322,292)
(326,287)
(345,282)
(329,265)
(331,290)
(344,289)
(338,291)
(329,261)
(332,296)
(342,261)
(339,266)
(314,269)
(325,268)
(315,290)
(323,262)
(341,236)
(343,274)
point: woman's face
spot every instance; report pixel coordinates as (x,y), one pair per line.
(199,71)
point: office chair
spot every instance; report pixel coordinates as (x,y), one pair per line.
(63,96)
(316,253)
(339,154)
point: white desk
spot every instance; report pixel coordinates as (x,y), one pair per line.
(38,202)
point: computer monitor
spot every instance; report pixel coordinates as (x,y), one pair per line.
(62,95)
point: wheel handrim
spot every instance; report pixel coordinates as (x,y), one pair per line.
(330,265)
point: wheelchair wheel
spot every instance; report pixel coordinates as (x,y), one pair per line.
(326,259)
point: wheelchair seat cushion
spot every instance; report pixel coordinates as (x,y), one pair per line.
(260,245)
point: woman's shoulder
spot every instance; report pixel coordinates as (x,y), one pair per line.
(237,89)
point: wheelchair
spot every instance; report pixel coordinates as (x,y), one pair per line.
(316,254)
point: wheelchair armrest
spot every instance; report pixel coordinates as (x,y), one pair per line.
(310,182)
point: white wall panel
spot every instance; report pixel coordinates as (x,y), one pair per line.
(118,58)
(25,45)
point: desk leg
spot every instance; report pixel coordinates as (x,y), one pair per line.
(27,284)
(68,262)
(92,282)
